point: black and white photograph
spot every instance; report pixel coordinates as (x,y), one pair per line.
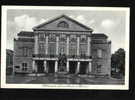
(55,47)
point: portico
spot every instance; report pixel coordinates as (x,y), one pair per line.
(62,45)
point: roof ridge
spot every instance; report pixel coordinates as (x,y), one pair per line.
(63,15)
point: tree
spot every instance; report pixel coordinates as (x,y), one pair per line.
(118,61)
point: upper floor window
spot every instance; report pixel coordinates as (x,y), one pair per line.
(63,24)
(41,37)
(41,48)
(83,38)
(73,38)
(25,51)
(99,53)
(62,37)
(52,38)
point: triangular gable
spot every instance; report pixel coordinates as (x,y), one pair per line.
(53,25)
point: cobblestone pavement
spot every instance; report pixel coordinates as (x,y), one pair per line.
(67,79)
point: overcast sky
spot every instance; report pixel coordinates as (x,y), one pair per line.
(111,23)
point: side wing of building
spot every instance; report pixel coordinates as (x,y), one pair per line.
(23,50)
(101,54)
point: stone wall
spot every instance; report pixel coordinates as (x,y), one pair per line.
(104,61)
(19,58)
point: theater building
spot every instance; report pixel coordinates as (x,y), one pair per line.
(62,45)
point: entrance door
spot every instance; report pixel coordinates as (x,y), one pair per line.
(51,66)
(83,67)
(40,66)
(72,67)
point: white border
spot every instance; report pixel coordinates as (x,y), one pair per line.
(63,86)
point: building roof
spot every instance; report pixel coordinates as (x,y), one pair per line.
(25,39)
(26,33)
(80,24)
(9,51)
(99,35)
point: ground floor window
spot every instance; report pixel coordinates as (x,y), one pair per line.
(99,68)
(17,67)
(24,66)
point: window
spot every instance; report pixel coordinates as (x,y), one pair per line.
(25,51)
(52,38)
(83,38)
(24,66)
(99,68)
(72,49)
(63,24)
(99,53)
(83,50)
(41,37)
(73,38)
(62,48)
(17,67)
(63,37)
(52,48)
(41,48)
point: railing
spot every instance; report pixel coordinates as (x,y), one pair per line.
(68,56)
(44,55)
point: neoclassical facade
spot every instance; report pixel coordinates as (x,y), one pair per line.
(62,45)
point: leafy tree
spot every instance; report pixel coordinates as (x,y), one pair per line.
(118,60)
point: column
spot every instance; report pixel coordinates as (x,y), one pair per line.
(67,66)
(45,66)
(89,46)
(89,67)
(78,67)
(57,45)
(46,41)
(36,44)
(78,45)
(56,66)
(33,65)
(67,45)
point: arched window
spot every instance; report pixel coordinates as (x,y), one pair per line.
(63,24)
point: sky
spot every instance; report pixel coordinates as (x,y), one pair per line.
(111,23)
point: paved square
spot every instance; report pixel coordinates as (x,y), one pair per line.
(69,79)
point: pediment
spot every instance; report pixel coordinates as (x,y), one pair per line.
(62,23)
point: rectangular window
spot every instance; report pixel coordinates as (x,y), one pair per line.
(17,67)
(41,37)
(24,66)
(52,49)
(42,48)
(83,50)
(99,53)
(25,51)
(73,49)
(99,68)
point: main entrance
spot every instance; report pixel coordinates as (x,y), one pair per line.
(40,66)
(72,67)
(51,66)
(83,67)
